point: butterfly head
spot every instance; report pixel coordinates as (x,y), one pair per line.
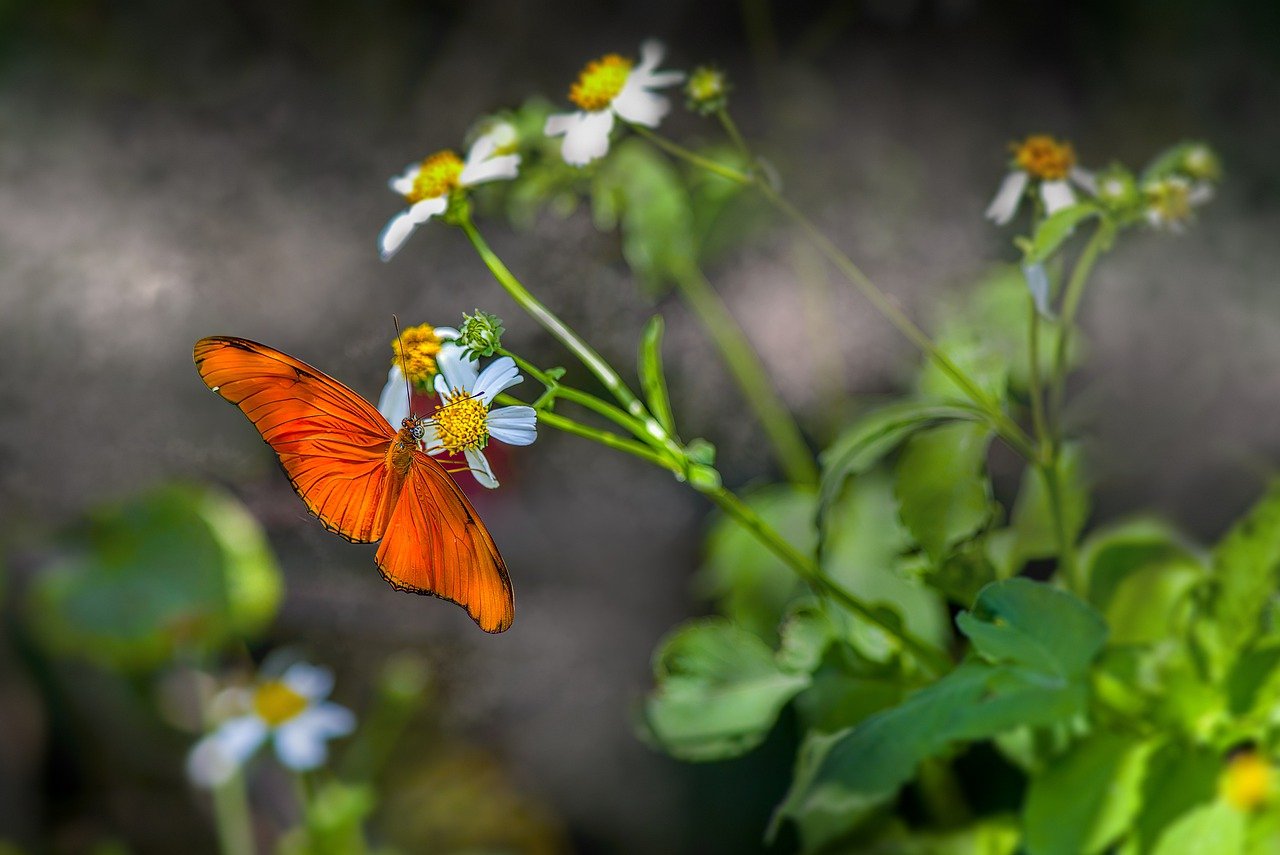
(413,427)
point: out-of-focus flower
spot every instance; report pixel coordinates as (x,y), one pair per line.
(707,90)
(1248,781)
(1116,188)
(1200,163)
(1048,165)
(480,334)
(290,710)
(430,185)
(607,87)
(417,351)
(464,422)
(1171,201)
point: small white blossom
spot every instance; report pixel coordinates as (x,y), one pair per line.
(1051,165)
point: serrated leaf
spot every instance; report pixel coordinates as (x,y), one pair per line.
(1246,567)
(653,379)
(719,690)
(942,488)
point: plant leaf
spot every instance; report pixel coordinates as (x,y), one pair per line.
(942,488)
(653,379)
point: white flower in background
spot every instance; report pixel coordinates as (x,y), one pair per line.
(464,422)
(291,711)
(1170,201)
(1051,165)
(427,185)
(417,351)
(612,86)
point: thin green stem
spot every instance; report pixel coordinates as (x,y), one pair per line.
(231,812)
(735,136)
(604,437)
(1066,543)
(1036,390)
(744,364)
(1070,306)
(693,157)
(583,399)
(933,659)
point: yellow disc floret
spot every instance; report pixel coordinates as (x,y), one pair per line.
(1247,781)
(437,176)
(275,703)
(462,423)
(415,352)
(1169,201)
(1043,157)
(600,82)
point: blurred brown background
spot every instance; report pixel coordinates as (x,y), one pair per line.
(172,170)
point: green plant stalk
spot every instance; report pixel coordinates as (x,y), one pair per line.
(735,136)
(1066,544)
(604,437)
(1036,390)
(595,363)
(577,396)
(934,660)
(744,364)
(1047,449)
(231,814)
(1070,306)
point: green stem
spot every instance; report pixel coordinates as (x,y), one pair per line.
(1070,306)
(231,812)
(604,437)
(571,340)
(745,366)
(577,396)
(735,136)
(807,569)
(1033,372)
(1066,544)
(693,157)
(1048,451)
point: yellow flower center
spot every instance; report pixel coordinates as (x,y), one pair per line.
(275,703)
(415,352)
(600,82)
(462,424)
(705,84)
(1170,200)
(437,176)
(1043,157)
(1246,784)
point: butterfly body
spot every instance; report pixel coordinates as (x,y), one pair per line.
(363,479)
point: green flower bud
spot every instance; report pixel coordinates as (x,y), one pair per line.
(707,90)
(481,334)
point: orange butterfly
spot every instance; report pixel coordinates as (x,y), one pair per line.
(365,480)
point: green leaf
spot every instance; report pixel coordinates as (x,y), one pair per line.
(1021,622)
(1179,777)
(653,379)
(1055,229)
(181,568)
(942,488)
(750,585)
(1246,566)
(1087,798)
(719,691)
(637,188)
(1035,533)
(333,821)
(1215,827)
(971,350)
(806,634)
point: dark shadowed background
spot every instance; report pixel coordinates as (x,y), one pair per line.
(173,170)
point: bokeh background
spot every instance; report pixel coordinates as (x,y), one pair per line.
(172,170)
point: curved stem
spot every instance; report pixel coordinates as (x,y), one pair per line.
(604,437)
(1070,306)
(579,397)
(693,157)
(807,569)
(744,364)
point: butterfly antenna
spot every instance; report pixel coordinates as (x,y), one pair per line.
(404,364)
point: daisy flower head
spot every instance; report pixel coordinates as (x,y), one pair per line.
(1171,201)
(415,357)
(465,420)
(609,87)
(1048,165)
(289,710)
(432,184)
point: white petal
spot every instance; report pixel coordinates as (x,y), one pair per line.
(481,150)
(636,104)
(393,403)
(480,469)
(431,443)
(588,138)
(310,681)
(403,183)
(458,371)
(1085,180)
(445,333)
(514,425)
(1005,204)
(1056,195)
(403,224)
(499,375)
(239,737)
(505,167)
(300,746)
(559,123)
(651,53)
(1200,192)
(208,765)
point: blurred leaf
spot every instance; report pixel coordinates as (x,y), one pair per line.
(971,350)
(724,215)
(1035,534)
(806,634)
(1179,777)
(639,190)
(993,836)
(183,568)
(1055,229)
(333,822)
(1028,623)
(750,585)
(719,691)
(1087,798)
(1139,574)
(1215,827)
(846,689)
(653,379)
(942,487)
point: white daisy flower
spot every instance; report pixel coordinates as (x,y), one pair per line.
(465,423)
(291,711)
(609,86)
(1049,163)
(428,185)
(417,350)
(1170,201)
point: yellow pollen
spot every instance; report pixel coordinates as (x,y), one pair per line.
(437,176)
(418,356)
(600,82)
(1043,157)
(275,703)
(462,423)
(1246,784)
